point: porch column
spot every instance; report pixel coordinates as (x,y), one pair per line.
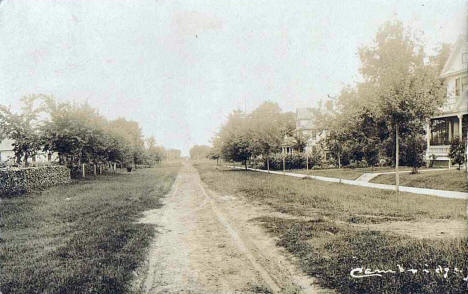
(460,126)
(428,141)
(450,137)
(428,133)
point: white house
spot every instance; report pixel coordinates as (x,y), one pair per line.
(7,154)
(452,119)
(305,127)
(6,150)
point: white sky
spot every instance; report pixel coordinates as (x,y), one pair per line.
(179,67)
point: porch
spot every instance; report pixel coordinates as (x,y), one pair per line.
(441,132)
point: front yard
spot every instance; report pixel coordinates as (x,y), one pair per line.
(333,229)
(346,173)
(451,180)
(81,237)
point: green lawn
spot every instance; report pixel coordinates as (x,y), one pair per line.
(451,180)
(324,225)
(345,173)
(81,237)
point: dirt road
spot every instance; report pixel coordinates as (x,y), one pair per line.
(206,243)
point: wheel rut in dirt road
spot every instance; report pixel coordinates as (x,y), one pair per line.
(206,243)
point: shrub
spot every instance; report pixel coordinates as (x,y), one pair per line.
(21,180)
(363,164)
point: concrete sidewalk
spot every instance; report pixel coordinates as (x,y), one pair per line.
(415,190)
(366,177)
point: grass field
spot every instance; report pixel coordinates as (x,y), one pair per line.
(346,173)
(335,228)
(451,180)
(81,237)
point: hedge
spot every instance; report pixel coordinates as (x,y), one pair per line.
(20,180)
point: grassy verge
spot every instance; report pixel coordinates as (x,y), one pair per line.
(346,173)
(331,240)
(82,237)
(451,180)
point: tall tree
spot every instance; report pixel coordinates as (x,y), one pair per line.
(405,89)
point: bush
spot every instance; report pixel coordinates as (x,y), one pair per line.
(21,180)
(363,164)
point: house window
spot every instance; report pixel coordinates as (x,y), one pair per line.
(464,84)
(464,58)
(457,87)
(439,132)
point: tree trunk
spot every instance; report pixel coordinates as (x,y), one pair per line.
(397,159)
(268,164)
(26,157)
(307,162)
(245,163)
(339,160)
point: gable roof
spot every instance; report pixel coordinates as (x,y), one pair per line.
(454,64)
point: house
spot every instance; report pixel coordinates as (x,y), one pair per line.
(452,119)
(7,155)
(6,151)
(305,127)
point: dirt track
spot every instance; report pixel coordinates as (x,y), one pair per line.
(206,244)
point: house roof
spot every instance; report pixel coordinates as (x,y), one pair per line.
(454,64)
(304,113)
(289,141)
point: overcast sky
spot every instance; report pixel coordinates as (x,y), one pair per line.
(179,67)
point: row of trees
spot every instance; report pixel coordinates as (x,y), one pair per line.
(76,132)
(257,134)
(379,120)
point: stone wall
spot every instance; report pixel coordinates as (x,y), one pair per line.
(21,180)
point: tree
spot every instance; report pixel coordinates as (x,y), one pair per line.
(173,154)
(457,152)
(416,144)
(267,128)
(404,89)
(77,133)
(199,152)
(22,128)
